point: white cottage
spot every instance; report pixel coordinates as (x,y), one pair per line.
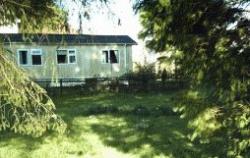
(62,56)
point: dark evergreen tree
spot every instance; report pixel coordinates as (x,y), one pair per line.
(213,43)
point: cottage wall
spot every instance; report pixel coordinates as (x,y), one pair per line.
(89,61)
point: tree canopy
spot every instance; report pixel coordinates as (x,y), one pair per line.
(35,16)
(212,39)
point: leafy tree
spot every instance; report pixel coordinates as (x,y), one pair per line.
(212,38)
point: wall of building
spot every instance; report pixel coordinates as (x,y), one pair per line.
(89,61)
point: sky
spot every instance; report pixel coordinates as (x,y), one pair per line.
(104,20)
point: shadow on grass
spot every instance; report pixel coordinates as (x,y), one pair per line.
(148,136)
(136,124)
(17,145)
(115,104)
(142,124)
(26,142)
(152,136)
(143,104)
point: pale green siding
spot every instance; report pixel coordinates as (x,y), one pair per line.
(89,61)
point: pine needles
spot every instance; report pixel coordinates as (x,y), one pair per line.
(25,107)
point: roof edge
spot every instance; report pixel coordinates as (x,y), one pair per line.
(56,38)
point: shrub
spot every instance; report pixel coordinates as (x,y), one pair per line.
(141,77)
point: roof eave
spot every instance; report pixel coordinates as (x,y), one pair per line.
(51,43)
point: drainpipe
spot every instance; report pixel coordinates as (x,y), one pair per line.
(125,57)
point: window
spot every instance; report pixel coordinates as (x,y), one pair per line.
(36,57)
(111,56)
(62,57)
(66,56)
(23,57)
(72,56)
(29,56)
(114,56)
(105,56)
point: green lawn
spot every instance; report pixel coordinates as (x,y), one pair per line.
(109,125)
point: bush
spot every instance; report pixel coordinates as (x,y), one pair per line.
(141,78)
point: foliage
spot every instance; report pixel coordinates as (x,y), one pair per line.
(212,38)
(35,16)
(143,73)
(140,78)
(24,106)
(211,121)
(32,15)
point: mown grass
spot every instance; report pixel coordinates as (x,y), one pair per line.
(112,125)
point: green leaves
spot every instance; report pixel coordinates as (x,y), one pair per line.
(206,123)
(33,10)
(213,38)
(24,106)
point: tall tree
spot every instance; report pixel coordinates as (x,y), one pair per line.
(212,39)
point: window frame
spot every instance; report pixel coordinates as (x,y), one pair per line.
(18,57)
(118,55)
(104,61)
(72,55)
(57,56)
(31,54)
(67,56)
(109,60)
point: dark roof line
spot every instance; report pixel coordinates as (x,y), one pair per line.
(66,38)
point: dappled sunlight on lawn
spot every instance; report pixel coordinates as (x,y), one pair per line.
(110,125)
(145,137)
